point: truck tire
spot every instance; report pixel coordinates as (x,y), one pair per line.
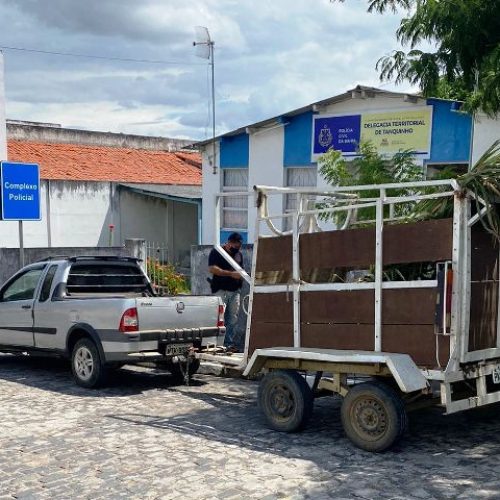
(86,364)
(373,416)
(286,400)
(178,370)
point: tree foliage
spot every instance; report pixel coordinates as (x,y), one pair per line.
(466,61)
(368,169)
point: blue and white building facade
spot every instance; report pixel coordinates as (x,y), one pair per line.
(283,150)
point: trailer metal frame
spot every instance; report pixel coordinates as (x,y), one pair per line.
(472,367)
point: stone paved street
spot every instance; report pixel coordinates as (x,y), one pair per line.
(143,437)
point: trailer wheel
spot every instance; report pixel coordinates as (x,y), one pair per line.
(285,400)
(373,416)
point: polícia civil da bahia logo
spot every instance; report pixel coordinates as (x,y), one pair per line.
(325,137)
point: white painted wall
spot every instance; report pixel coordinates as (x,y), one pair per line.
(265,168)
(211,186)
(35,232)
(486,132)
(136,209)
(160,221)
(3,126)
(81,212)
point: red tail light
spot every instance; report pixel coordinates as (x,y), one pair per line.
(129,321)
(220,319)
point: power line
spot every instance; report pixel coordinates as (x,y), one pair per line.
(90,56)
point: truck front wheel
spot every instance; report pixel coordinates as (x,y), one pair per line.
(285,400)
(86,364)
(373,416)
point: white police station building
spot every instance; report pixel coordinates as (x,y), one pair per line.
(283,150)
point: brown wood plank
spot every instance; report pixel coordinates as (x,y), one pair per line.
(411,306)
(425,241)
(270,335)
(272,307)
(483,316)
(337,249)
(484,289)
(340,336)
(274,254)
(419,341)
(337,306)
(484,254)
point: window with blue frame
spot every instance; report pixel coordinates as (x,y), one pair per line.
(234,208)
(297,177)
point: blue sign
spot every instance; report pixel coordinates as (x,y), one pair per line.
(20,191)
(341,133)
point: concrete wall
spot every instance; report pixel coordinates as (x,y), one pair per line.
(81,214)
(161,221)
(143,217)
(10,261)
(40,132)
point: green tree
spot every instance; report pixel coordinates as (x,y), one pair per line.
(368,169)
(465,63)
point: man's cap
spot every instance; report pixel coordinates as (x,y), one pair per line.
(235,237)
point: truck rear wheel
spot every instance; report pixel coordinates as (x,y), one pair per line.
(86,364)
(285,400)
(373,416)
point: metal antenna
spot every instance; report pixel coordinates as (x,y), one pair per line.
(205,49)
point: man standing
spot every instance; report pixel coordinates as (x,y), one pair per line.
(226,282)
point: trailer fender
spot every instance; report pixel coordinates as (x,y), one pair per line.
(404,370)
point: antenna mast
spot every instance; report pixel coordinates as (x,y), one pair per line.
(205,46)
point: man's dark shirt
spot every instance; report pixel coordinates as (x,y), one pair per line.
(224,282)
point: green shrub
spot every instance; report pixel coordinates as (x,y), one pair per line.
(166,280)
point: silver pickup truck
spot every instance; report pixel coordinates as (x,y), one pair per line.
(102,313)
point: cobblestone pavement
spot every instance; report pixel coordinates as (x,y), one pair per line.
(144,437)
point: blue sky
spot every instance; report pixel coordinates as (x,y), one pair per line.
(270,57)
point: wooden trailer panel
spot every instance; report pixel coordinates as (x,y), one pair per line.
(345,319)
(484,289)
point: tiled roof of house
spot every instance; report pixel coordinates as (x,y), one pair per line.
(100,163)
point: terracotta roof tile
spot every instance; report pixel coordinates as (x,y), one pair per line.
(100,163)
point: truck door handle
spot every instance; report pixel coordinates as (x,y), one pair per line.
(26,307)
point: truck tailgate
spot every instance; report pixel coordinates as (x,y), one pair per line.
(186,311)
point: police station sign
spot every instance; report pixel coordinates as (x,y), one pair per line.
(20,191)
(390,132)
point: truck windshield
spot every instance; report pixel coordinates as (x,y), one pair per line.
(106,277)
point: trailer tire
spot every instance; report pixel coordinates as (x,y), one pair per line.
(286,400)
(373,416)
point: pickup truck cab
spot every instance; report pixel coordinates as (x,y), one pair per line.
(102,313)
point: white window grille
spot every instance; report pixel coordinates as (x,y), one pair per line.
(235,208)
(297,177)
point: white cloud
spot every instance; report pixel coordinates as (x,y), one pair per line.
(271,57)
